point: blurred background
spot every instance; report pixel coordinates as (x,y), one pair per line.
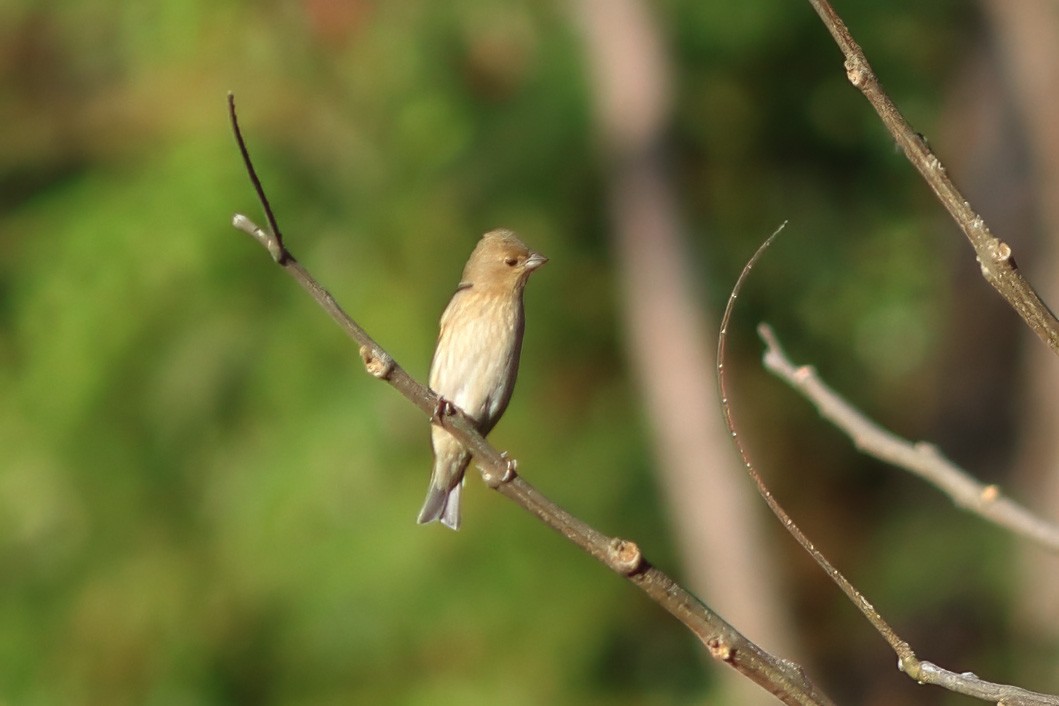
(204,499)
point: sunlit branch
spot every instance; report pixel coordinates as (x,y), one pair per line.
(919,458)
(783,678)
(994,255)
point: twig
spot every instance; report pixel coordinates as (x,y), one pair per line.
(785,679)
(994,255)
(921,459)
(904,652)
(923,672)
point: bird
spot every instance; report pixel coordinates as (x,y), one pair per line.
(476,359)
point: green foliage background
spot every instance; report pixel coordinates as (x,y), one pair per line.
(203,499)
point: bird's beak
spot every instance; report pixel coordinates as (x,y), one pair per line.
(534,261)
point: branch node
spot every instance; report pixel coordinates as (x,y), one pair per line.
(1001,251)
(935,164)
(990,494)
(720,649)
(925,448)
(378,363)
(858,72)
(914,669)
(495,480)
(624,556)
(268,240)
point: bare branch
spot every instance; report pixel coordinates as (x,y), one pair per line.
(969,684)
(783,678)
(920,458)
(994,255)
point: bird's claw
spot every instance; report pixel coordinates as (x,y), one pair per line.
(442,409)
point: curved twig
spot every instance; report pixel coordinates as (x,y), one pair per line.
(904,652)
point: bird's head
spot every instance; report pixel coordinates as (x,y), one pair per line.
(501,260)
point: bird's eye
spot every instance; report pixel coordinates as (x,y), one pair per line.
(510,261)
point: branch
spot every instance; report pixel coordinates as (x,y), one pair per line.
(921,459)
(923,672)
(994,255)
(783,678)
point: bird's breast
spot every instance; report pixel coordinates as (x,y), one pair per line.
(476,360)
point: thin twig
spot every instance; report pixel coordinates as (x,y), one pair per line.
(783,678)
(994,255)
(921,459)
(904,652)
(273,242)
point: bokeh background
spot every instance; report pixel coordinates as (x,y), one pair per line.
(204,499)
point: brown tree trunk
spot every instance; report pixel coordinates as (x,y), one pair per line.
(716,517)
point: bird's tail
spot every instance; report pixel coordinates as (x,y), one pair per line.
(442,504)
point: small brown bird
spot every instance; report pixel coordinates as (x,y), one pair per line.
(476,360)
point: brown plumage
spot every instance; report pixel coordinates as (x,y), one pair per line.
(476,360)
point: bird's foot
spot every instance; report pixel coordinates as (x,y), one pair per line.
(442,409)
